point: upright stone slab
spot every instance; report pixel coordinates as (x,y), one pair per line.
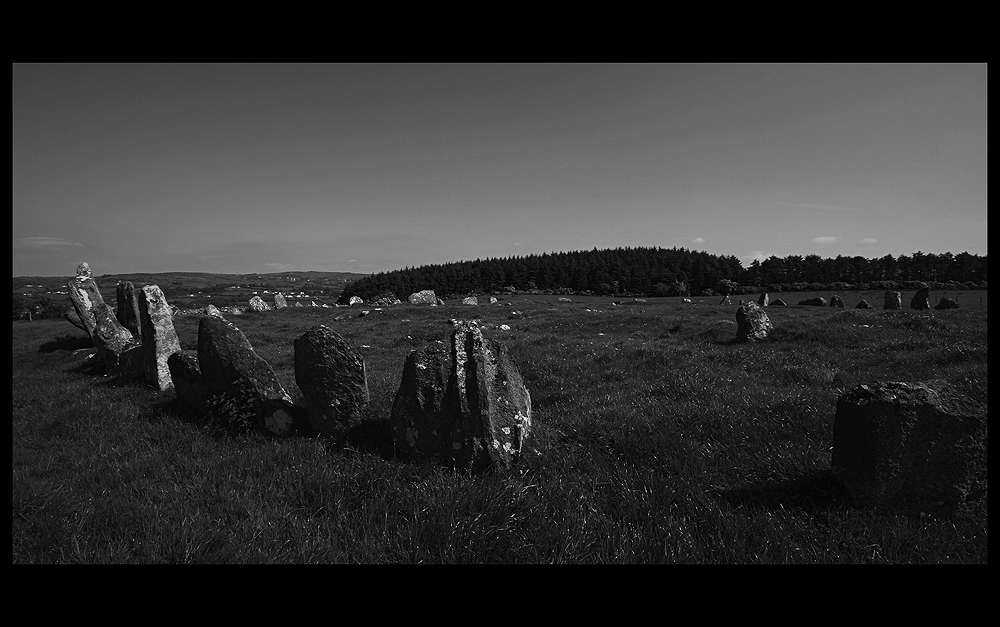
(159,338)
(764,300)
(128,308)
(836,301)
(922,299)
(420,428)
(752,323)
(86,297)
(279,301)
(115,345)
(423,297)
(229,366)
(331,375)
(892,300)
(910,448)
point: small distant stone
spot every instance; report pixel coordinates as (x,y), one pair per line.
(863,304)
(836,301)
(819,301)
(947,303)
(471,300)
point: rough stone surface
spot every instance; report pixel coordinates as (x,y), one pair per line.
(115,344)
(385,299)
(159,338)
(83,271)
(128,308)
(85,296)
(819,301)
(466,408)
(946,303)
(863,304)
(279,301)
(752,323)
(186,377)
(836,301)
(230,366)
(922,299)
(764,300)
(493,300)
(355,300)
(471,300)
(74,318)
(440,302)
(423,297)
(911,448)
(777,302)
(212,310)
(892,300)
(331,375)
(257,304)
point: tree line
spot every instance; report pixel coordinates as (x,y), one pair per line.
(671,272)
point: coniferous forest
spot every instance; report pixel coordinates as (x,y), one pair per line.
(674,272)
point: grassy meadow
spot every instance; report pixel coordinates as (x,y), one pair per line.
(655,439)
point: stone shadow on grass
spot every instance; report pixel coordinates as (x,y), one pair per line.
(813,492)
(66,343)
(373,437)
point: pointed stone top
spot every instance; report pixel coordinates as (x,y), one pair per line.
(83,271)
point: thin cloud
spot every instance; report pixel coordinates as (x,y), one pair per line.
(698,240)
(816,205)
(868,240)
(46,243)
(827,239)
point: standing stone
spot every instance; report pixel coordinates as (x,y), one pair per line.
(231,368)
(115,345)
(752,323)
(471,300)
(83,271)
(910,448)
(482,418)
(74,318)
(763,301)
(128,308)
(863,304)
(279,301)
(922,299)
(423,297)
(257,304)
(836,301)
(85,296)
(893,300)
(331,375)
(818,301)
(947,303)
(159,339)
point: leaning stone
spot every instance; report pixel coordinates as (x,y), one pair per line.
(764,300)
(921,300)
(819,301)
(423,297)
(257,304)
(893,300)
(279,301)
(128,308)
(752,323)
(471,300)
(331,375)
(230,366)
(947,303)
(113,341)
(836,301)
(159,338)
(86,297)
(863,304)
(910,448)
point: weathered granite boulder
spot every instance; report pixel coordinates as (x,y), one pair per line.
(911,448)
(471,300)
(385,299)
(83,271)
(159,338)
(466,408)
(331,375)
(752,323)
(279,301)
(212,310)
(257,304)
(230,367)
(74,318)
(493,300)
(186,377)
(863,304)
(777,302)
(892,300)
(836,301)
(115,345)
(128,308)
(946,303)
(819,301)
(424,297)
(764,300)
(85,296)
(355,300)
(922,299)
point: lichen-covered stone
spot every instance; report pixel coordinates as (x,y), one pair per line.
(892,300)
(752,323)
(257,304)
(159,338)
(331,375)
(423,297)
(910,448)
(113,341)
(420,429)
(279,301)
(355,300)
(470,300)
(85,297)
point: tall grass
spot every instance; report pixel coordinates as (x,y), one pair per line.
(656,438)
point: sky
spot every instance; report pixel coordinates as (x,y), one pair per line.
(260,168)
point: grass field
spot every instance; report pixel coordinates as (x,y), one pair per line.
(655,438)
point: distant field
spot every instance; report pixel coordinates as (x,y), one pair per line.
(655,439)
